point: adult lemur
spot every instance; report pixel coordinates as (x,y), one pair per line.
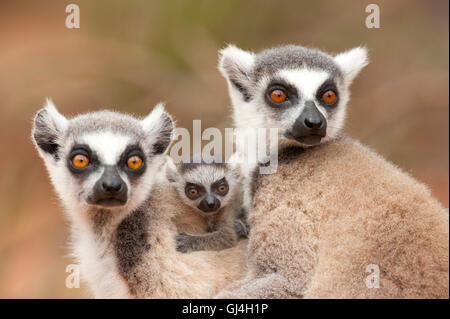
(336,220)
(105,168)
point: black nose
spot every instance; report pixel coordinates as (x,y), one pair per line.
(310,126)
(313,122)
(112,186)
(110,189)
(209,204)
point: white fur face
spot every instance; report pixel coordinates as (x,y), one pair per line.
(305,77)
(122,153)
(198,184)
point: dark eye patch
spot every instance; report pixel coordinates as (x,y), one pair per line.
(132,150)
(86,151)
(201,190)
(290,90)
(218,183)
(326,86)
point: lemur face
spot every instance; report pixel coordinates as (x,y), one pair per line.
(303,92)
(102,159)
(206,187)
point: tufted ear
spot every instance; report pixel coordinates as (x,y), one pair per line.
(352,62)
(236,66)
(171,170)
(159,126)
(48,127)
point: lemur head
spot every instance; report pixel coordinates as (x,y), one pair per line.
(301,91)
(205,187)
(103,159)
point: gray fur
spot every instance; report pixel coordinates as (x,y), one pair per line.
(241,226)
(185,167)
(165,135)
(103,121)
(46,134)
(131,242)
(100,219)
(223,235)
(293,57)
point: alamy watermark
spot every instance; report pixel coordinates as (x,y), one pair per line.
(373,19)
(73,17)
(250,146)
(373,279)
(73,279)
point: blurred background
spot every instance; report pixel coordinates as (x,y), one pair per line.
(128,55)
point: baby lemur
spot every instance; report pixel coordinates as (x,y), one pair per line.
(212,197)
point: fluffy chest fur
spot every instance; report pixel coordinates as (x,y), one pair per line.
(97,259)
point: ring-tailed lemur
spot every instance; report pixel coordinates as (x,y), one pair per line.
(213,193)
(336,220)
(105,167)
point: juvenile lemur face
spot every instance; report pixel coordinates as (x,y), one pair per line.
(303,92)
(102,159)
(206,187)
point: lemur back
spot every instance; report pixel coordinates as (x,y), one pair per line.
(351,213)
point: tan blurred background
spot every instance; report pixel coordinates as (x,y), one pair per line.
(128,55)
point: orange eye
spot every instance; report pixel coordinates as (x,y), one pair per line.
(278,96)
(80,161)
(329,97)
(134,162)
(222,188)
(193,192)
